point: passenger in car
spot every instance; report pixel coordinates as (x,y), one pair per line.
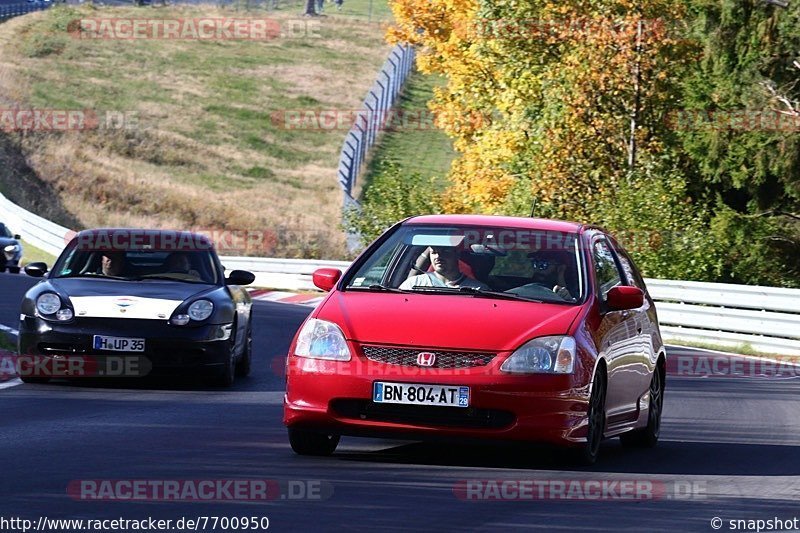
(445,272)
(179,263)
(550,270)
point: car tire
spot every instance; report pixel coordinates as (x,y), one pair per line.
(227,375)
(13,270)
(245,362)
(587,454)
(647,437)
(312,443)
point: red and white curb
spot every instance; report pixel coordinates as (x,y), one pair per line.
(285,297)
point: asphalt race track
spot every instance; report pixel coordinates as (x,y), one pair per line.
(730,449)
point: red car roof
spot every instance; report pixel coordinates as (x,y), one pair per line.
(498,221)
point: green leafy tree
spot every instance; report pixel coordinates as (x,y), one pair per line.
(392,195)
(740,128)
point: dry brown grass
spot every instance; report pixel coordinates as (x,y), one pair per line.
(204,153)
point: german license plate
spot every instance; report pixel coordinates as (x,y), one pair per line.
(419,394)
(118,344)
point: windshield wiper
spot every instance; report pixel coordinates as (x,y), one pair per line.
(474,290)
(379,287)
(496,294)
(168,277)
(93,275)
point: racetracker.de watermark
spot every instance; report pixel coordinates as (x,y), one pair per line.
(53,120)
(225,241)
(124,240)
(73,366)
(733,366)
(193,29)
(565,28)
(579,489)
(324,120)
(767,120)
(200,490)
(241,241)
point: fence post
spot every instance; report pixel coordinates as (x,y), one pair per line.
(364,134)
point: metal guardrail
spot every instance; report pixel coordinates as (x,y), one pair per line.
(766,318)
(36,230)
(8,11)
(372,118)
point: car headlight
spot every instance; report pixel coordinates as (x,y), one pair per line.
(64,314)
(320,339)
(201,309)
(552,355)
(11,250)
(48,303)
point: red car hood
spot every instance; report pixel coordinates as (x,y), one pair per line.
(444,321)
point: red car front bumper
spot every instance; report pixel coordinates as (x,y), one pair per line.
(336,397)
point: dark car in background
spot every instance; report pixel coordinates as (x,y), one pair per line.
(157,298)
(11,250)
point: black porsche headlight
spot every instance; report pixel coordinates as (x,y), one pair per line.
(198,311)
(201,310)
(49,305)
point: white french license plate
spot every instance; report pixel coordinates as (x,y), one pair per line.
(118,344)
(419,394)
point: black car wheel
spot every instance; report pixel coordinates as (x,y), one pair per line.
(245,362)
(647,437)
(227,374)
(13,270)
(596,427)
(312,443)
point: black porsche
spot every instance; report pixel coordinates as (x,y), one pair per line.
(158,299)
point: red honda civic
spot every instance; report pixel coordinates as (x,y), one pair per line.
(485,327)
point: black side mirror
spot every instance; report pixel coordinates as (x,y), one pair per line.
(17,236)
(36,270)
(240,277)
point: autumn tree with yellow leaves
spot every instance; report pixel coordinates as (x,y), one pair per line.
(541,95)
(579,109)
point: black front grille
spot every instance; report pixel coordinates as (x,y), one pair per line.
(408,357)
(457,417)
(60,348)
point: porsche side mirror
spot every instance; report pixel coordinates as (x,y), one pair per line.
(240,277)
(36,270)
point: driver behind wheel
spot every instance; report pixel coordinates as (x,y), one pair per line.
(446,272)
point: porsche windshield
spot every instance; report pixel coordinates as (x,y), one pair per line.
(138,265)
(494,262)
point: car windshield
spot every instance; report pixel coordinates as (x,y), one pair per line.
(137,265)
(492,262)
(4,231)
